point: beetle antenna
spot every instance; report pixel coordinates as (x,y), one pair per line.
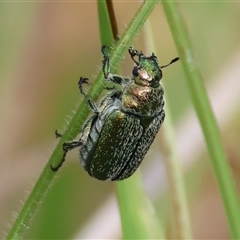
(173,61)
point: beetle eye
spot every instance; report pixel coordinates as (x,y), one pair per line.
(135,71)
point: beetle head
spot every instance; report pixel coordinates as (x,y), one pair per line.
(147,70)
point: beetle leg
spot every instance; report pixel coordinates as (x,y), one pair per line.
(66,147)
(57,134)
(110,88)
(116,79)
(55,168)
(133,52)
(90,102)
(105,61)
(106,70)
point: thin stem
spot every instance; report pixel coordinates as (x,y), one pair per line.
(206,117)
(179,205)
(113,20)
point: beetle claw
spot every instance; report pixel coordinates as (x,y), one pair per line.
(57,134)
(82,81)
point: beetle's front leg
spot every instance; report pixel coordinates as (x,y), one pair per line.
(106,70)
(133,52)
(105,62)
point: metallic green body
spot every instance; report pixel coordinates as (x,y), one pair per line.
(115,142)
(115,139)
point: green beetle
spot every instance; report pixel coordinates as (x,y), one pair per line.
(115,139)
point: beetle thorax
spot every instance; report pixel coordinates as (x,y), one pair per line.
(143,101)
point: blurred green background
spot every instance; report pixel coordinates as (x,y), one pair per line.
(44,48)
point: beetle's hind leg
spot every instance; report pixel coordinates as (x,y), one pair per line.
(90,102)
(67,146)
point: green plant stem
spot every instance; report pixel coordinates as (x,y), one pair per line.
(105,25)
(139,220)
(179,208)
(206,117)
(36,196)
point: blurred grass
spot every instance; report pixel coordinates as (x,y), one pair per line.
(44,51)
(206,118)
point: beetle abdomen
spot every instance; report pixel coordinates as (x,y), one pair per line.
(142,147)
(112,150)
